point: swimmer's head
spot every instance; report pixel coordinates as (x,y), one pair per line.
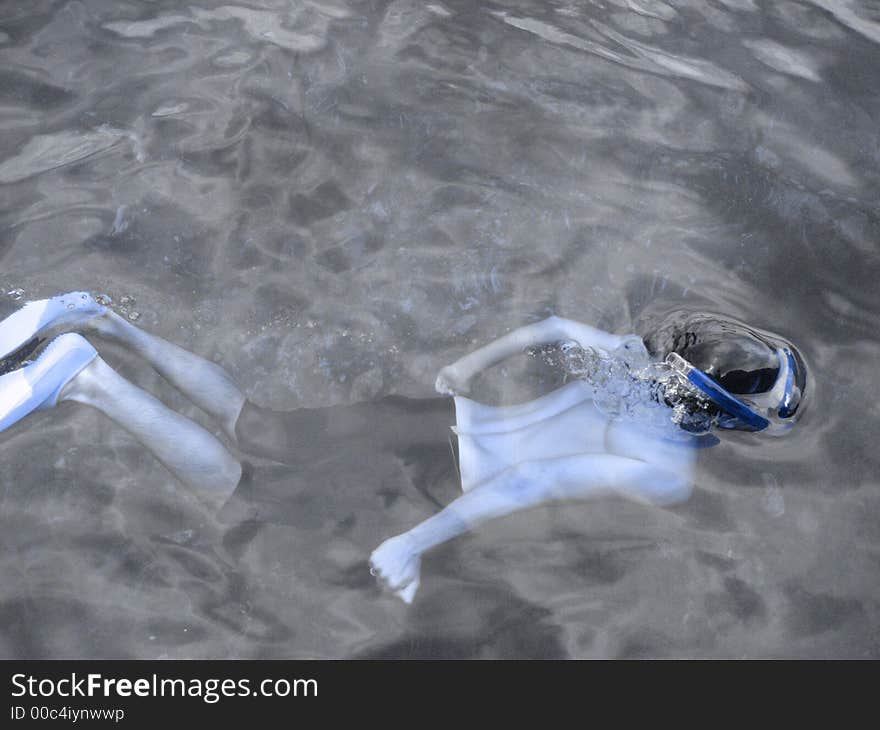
(762,377)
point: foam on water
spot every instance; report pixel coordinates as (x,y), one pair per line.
(629,384)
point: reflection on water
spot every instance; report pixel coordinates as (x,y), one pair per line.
(335,198)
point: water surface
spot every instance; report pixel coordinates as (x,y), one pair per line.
(333,199)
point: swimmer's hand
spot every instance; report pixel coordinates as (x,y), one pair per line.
(450,381)
(396,565)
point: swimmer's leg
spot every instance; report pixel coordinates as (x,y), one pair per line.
(288,437)
(205,383)
(185,448)
(397,561)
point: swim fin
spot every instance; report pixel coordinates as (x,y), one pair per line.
(37,386)
(35,318)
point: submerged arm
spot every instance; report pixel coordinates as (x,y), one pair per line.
(397,561)
(454,378)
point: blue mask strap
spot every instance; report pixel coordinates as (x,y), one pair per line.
(727,402)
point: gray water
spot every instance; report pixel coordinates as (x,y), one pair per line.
(333,199)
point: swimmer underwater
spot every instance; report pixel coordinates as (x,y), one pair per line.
(627,422)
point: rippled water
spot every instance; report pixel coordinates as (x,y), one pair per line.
(334,199)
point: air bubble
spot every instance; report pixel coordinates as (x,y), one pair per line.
(628,384)
(103,299)
(773,500)
(15,294)
(126,304)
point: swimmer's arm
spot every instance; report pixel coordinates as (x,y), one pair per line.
(532,483)
(455,378)
(397,561)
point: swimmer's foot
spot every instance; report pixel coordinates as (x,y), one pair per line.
(38,385)
(64,312)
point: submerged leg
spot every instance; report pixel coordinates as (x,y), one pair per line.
(205,383)
(185,448)
(287,437)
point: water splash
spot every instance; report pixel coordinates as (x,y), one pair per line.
(629,384)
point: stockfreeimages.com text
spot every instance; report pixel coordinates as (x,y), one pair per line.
(210,690)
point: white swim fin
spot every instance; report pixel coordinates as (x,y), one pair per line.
(38,385)
(35,318)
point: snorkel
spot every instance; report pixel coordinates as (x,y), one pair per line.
(780,400)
